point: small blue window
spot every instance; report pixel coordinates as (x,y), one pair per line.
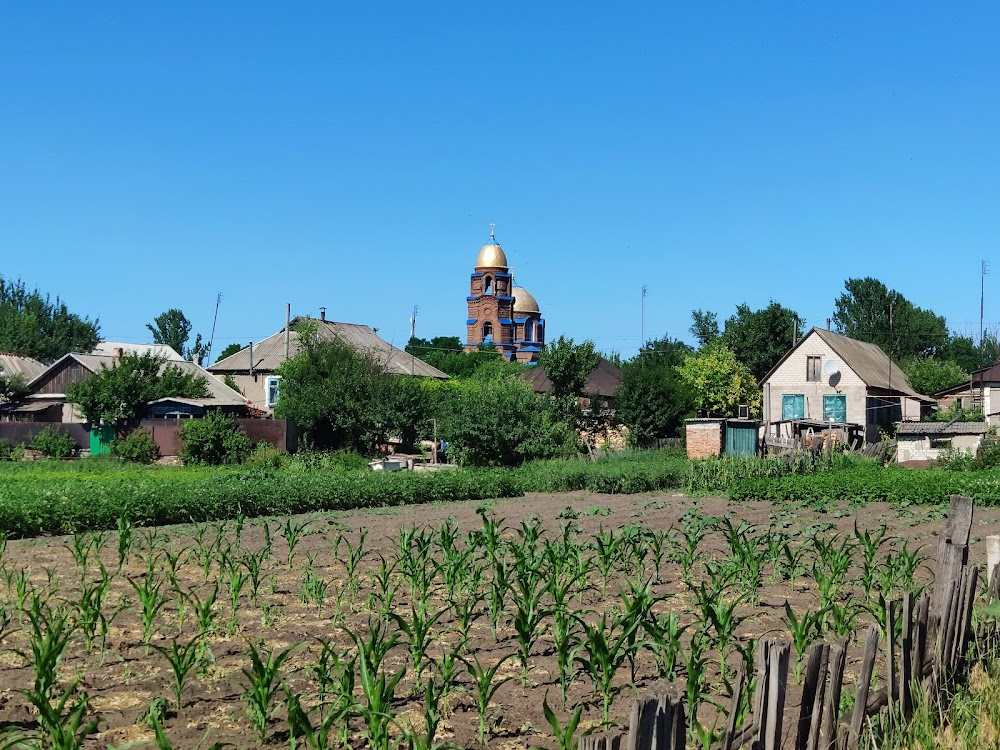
(793,406)
(835,408)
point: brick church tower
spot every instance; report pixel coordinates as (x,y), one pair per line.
(501,314)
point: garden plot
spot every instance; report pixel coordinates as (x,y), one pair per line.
(447,623)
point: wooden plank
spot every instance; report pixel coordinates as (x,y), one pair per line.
(892,694)
(810,683)
(762,695)
(951,561)
(680,727)
(641,726)
(964,629)
(662,733)
(816,720)
(777,680)
(906,657)
(727,738)
(831,705)
(960,520)
(920,639)
(864,687)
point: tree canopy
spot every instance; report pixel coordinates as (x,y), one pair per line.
(704,326)
(718,382)
(869,311)
(229,351)
(447,354)
(33,325)
(929,375)
(760,338)
(119,395)
(653,399)
(173,329)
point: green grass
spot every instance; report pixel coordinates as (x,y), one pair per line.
(50,497)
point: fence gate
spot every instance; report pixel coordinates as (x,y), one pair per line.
(741,438)
(100,440)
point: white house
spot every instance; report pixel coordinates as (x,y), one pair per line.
(829,379)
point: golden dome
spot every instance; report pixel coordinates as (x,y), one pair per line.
(524,302)
(491,256)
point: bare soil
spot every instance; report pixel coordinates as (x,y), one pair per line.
(123,680)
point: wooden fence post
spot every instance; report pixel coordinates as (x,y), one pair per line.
(864,686)
(828,736)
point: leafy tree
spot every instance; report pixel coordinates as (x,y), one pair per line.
(171,328)
(869,311)
(718,382)
(12,387)
(119,395)
(929,375)
(760,338)
(174,329)
(704,326)
(447,354)
(343,398)
(33,325)
(498,422)
(653,399)
(568,366)
(229,351)
(964,352)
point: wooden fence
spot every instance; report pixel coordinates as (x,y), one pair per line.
(930,656)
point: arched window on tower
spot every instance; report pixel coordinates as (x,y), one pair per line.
(529,330)
(487,332)
(487,285)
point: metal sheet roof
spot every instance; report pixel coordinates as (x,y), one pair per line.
(107,348)
(603,381)
(219,394)
(941,428)
(15,364)
(270,353)
(870,363)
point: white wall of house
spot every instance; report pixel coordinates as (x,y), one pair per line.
(790,379)
(253,388)
(918,447)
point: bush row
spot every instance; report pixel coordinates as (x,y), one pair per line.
(867,483)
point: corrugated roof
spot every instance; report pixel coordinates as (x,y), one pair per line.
(219,394)
(15,364)
(270,353)
(107,348)
(870,363)
(603,381)
(941,428)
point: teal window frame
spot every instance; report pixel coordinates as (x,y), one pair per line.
(790,413)
(830,411)
(272,390)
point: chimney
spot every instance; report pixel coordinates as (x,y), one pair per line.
(118,352)
(322,314)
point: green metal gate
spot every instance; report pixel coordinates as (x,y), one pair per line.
(100,440)
(741,438)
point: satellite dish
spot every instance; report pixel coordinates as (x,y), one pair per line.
(831,367)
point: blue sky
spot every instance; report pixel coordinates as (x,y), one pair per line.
(353,156)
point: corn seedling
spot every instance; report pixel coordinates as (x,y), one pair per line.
(152,601)
(182,659)
(605,653)
(418,631)
(565,736)
(264,683)
(293,534)
(803,631)
(485,685)
(378,687)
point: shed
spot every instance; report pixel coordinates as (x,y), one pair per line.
(924,441)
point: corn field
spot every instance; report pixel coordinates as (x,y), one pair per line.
(497,631)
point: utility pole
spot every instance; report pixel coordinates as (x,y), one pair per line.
(642,324)
(985,271)
(413,323)
(211,339)
(795,328)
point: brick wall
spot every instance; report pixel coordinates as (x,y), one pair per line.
(704,438)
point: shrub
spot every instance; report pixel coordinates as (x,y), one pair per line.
(52,443)
(10,452)
(214,440)
(136,447)
(266,455)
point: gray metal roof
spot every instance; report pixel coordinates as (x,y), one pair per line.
(219,394)
(870,363)
(15,364)
(603,381)
(941,428)
(270,353)
(107,348)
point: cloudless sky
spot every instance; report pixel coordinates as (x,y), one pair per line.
(352,155)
